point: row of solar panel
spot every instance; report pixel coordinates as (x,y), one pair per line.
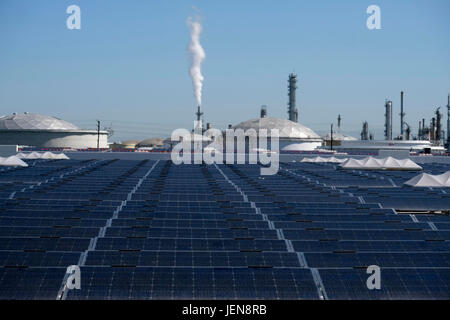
(189,244)
(213,224)
(342,259)
(307,234)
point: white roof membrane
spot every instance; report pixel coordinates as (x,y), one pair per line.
(389,163)
(429,180)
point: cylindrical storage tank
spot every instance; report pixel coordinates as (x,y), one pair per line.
(43,131)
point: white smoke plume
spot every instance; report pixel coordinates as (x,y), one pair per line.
(197,55)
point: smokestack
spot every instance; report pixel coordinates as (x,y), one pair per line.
(448,121)
(208,126)
(424,130)
(433,129)
(419,133)
(388,120)
(402,115)
(292,110)
(199,114)
(438,126)
(230,126)
(365,131)
(197,55)
(263,111)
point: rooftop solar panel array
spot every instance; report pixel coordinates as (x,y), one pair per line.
(154,230)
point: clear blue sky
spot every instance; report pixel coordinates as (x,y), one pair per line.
(128,64)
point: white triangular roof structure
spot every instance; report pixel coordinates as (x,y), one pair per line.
(389,163)
(310,159)
(60,156)
(393,163)
(444,178)
(408,163)
(45,155)
(372,163)
(447,174)
(33,155)
(12,161)
(319,159)
(336,160)
(429,180)
(352,163)
(22,155)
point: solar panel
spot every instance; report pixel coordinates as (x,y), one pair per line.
(396,284)
(140,230)
(195,283)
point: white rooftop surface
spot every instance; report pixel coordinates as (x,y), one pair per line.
(287,128)
(389,163)
(339,137)
(323,160)
(29,121)
(429,180)
(12,161)
(42,155)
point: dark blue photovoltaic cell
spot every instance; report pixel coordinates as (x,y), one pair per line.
(189,233)
(195,283)
(188,259)
(442,225)
(382,246)
(302,224)
(30,283)
(40,222)
(38,259)
(384,259)
(396,284)
(185,244)
(356,216)
(372,235)
(196,224)
(48,232)
(443,218)
(43,244)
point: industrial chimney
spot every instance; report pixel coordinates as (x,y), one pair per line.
(388,120)
(199,114)
(365,131)
(402,116)
(433,129)
(438,127)
(448,121)
(292,110)
(419,133)
(424,130)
